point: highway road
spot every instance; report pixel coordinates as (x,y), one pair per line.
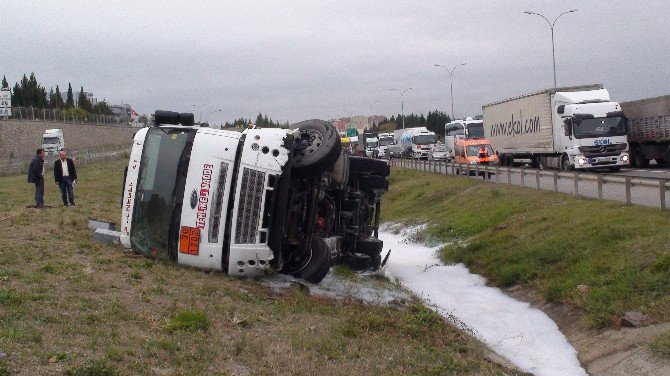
(646,187)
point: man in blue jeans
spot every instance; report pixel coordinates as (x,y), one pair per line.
(36,176)
(66,177)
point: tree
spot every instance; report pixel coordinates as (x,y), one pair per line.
(69,102)
(58,99)
(83,102)
(5,85)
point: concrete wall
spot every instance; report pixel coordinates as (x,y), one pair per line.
(20,139)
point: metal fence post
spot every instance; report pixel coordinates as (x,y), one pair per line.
(555,181)
(661,192)
(486,171)
(575,183)
(600,186)
(497,174)
(453,168)
(509,175)
(628,185)
(537,179)
(523,176)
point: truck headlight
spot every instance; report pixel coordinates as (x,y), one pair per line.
(624,158)
(473,162)
(582,161)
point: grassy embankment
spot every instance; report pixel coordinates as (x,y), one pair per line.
(69,305)
(549,242)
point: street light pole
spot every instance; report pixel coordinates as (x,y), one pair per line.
(451,86)
(551,26)
(402,104)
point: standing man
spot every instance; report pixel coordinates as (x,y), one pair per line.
(36,176)
(66,177)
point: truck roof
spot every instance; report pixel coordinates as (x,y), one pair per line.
(473,141)
(662,98)
(549,91)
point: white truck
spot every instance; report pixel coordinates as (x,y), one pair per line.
(247,203)
(385,140)
(461,129)
(566,128)
(416,142)
(53,141)
(648,130)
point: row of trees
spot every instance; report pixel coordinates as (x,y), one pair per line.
(29,93)
(262,121)
(435,122)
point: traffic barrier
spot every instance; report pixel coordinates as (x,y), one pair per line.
(584,184)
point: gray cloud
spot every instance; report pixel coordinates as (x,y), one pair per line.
(304,59)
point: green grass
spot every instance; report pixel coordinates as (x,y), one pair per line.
(71,305)
(188,320)
(549,242)
(660,345)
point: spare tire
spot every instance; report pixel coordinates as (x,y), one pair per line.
(370,246)
(316,149)
(369,165)
(373,182)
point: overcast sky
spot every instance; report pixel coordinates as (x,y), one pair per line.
(295,60)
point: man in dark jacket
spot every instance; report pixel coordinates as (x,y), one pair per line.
(36,176)
(66,177)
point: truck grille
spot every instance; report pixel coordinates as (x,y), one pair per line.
(249,211)
(602,150)
(215,215)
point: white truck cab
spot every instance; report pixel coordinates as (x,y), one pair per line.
(251,201)
(53,141)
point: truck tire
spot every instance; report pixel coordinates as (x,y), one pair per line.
(638,159)
(373,182)
(565,165)
(368,165)
(319,265)
(370,246)
(316,149)
(357,262)
(660,161)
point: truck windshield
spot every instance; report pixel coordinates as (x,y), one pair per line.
(386,141)
(373,144)
(476,130)
(160,189)
(473,150)
(599,127)
(424,139)
(50,140)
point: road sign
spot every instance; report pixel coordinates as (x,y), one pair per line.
(351,132)
(5,103)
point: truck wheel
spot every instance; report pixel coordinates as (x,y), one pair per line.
(370,247)
(566,166)
(368,165)
(319,265)
(541,163)
(357,262)
(638,158)
(316,149)
(373,182)
(660,161)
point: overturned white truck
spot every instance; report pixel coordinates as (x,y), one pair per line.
(247,203)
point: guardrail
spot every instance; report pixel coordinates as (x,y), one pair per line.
(631,190)
(60,116)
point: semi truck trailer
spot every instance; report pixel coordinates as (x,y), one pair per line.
(648,130)
(248,203)
(416,142)
(565,128)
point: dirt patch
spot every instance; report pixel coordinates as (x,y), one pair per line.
(611,352)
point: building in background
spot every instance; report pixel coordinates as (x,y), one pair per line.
(360,123)
(121,112)
(340,124)
(375,120)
